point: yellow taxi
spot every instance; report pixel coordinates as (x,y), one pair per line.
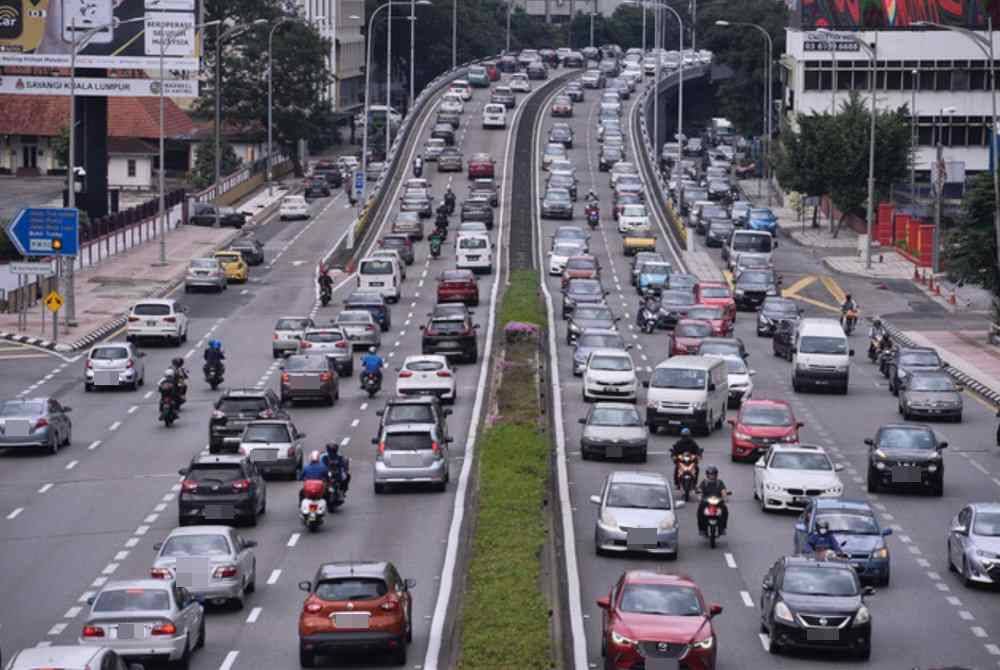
(233,265)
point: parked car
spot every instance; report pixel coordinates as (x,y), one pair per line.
(35,422)
(114,365)
(205,214)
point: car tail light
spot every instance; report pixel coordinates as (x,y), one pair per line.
(266,414)
(130,364)
(343,343)
(189,485)
(390,605)
(430,331)
(381,448)
(165,628)
(284,377)
(224,571)
(93,631)
(160,573)
(133,319)
(325,377)
(443,373)
(291,452)
(274,337)
(242,451)
(313,608)
(313,507)
(170,319)
(436,448)
(370,329)
(405,374)
(305,345)
(90,365)
(241,485)
(41,423)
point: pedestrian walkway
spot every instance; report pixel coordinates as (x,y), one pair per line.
(885,265)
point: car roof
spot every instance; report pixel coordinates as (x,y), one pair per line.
(414,427)
(200,530)
(244,393)
(766,402)
(222,459)
(800,448)
(63,655)
(145,583)
(613,405)
(635,476)
(155,301)
(691,362)
(335,569)
(651,577)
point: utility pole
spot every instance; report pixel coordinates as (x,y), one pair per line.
(913,137)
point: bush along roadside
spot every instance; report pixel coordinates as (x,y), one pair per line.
(505,622)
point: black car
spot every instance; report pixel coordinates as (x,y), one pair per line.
(226,488)
(586,317)
(573,59)
(718,232)
(753,286)
(772,311)
(719,190)
(581,292)
(537,70)
(932,395)
(444,131)
(810,604)
(609,155)
(316,187)
(507,64)
(561,133)
(485,185)
(907,360)
(905,455)
(204,214)
(374,302)
(450,336)
(234,410)
(399,242)
(328,171)
(564,181)
(251,250)
(674,304)
(783,339)
(414,409)
(477,210)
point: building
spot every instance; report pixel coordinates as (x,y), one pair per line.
(940,74)
(561,10)
(342,23)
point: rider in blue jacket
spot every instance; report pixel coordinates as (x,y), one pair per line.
(821,540)
(371,363)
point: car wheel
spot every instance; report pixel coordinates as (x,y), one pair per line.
(69,437)
(958,418)
(307,659)
(87,388)
(133,385)
(872,485)
(379,488)
(399,656)
(53,447)
(201,633)
(184,662)
(938,490)
(252,519)
(885,580)
(772,646)
(947,552)
(865,653)
(966,580)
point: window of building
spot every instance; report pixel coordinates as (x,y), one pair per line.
(131,167)
(960,80)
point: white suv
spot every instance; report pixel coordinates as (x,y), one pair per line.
(160,319)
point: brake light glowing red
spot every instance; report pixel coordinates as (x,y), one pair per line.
(93,631)
(313,608)
(160,573)
(189,485)
(405,373)
(241,485)
(390,605)
(130,364)
(170,319)
(325,377)
(284,377)
(381,448)
(165,628)
(266,414)
(133,319)
(342,344)
(41,423)
(90,365)
(443,373)
(435,447)
(305,345)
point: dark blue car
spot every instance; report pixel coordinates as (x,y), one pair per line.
(856,528)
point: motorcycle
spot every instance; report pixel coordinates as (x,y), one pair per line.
(435,247)
(370,383)
(168,410)
(687,473)
(884,358)
(418,167)
(214,374)
(441,232)
(874,344)
(325,294)
(593,216)
(649,317)
(312,507)
(441,219)
(449,203)
(713,517)
(849,320)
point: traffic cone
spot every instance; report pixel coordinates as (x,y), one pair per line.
(916,274)
(951,299)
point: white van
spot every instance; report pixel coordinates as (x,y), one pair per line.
(687,392)
(474,252)
(380,273)
(494,116)
(744,243)
(822,355)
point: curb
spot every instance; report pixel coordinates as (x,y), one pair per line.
(961,377)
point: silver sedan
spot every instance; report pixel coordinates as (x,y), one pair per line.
(35,422)
(361,328)
(214,563)
(614,430)
(974,544)
(636,513)
(146,619)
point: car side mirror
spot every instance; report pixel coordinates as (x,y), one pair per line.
(476,326)
(678,504)
(305,586)
(870,442)
(157,546)
(943,445)
(886,532)
(767,584)
(249,544)
(851,352)
(91,599)
(449,440)
(711,387)
(799,424)
(645,385)
(183,472)
(753,372)
(595,499)
(374,440)
(604,603)
(959,529)
(868,591)
(714,610)
(760,463)
(582,420)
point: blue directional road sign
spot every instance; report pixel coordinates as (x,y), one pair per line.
(43,231)
(359,181)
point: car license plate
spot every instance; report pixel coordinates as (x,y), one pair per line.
(906,475)
(823,634)
(218,512)
(378,283)
(126,631)
(673,422)
(640,537)
(662,664)
(448,345)
(800,502)
(151,323)
(351,619)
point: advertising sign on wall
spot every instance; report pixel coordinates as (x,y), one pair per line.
(41,33)
(890,14)
(112,87)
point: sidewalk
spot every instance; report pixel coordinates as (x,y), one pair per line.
(104,292)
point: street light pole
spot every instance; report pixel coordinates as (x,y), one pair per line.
(388,83)
(454,34)
(413,23)
(643,6)
(510,4)
(939,187)
(592,24)
(913,137)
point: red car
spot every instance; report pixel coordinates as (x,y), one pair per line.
(688,334)
(492,71)
(759,424)
(722,324)
(458,286)
(481,166)
(717,293)
(562,106)
(581,267)
(651,615)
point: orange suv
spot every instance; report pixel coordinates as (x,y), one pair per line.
(364,606)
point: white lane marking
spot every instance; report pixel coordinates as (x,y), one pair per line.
(93,445)
(142,530)
(168,497)
(354,424)
(993,649)
(131,542)
(364,406)
(229,660)
(160,507)
(344,442)
(147,395)
(923,562)
(933,576)
(730,560)
(244,291)
(996,481)
(978,631)
(132,409)
(905,539)
(45,488)
(978,466)
(151,518)
(275,575)
(44,643)
(913,549)
(764,640)
(121,555)
(115,426)
(747,600)
(58,629)
(966,615)
(953,600)
(72,612)
(85,596)
(941,586)
(72,464)
(13,515)
(99,582)
(254,615)
(294,539)
(109,569)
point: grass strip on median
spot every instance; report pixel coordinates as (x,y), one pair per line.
(505,622)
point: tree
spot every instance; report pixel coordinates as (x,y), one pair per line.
(203,174)
(970,250)
(60,144)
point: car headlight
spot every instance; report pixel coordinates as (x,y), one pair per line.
(932,468)
(739,291)
(782,612)
(763,319)
(880,453)
(609,521)
(618,638)
(772,291)
(668,523)
(704,644)
(879,465)
(698,406)
(862,616)
(573,328)
(650,404)
(741,436)
(881,553)
(791,437)
(770,486)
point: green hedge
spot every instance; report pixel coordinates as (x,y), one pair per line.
(521,301)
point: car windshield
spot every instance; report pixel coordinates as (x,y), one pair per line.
(408,414)
(580,264)
(928,383)
(241,405)
(783,307)
(612,363)
(987,523)
(229,258)
(585,287)
(151,310)
(766,415)
(634,210)
(813,344)
(906,438)
(755,277)
(693,330)
(818,581)
(638,496)
(593,314)
(352,588)
(735,365)
(919,358)
(677,298)
(719,348)
(557,195)
(706,313)
(656,268)
(796,460)
(324,336)
(714,212)
(859,523)
(662,599)
(291,324)
(195,545)
(421,441)
(215,472)
(601,342)
(305,364)
(267,432)
(678,378)
(614,416)
(555,150)
(721,227)
(109,353)
(22,408)
(376,267)
(752,243)
(132,600)
(714,292)
(203,264)
(424,365)
(473,243)
(681,281)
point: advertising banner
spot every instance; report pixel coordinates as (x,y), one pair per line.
(890,14)
(127,34)
(112,87)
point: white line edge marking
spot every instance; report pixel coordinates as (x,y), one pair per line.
(275,575)
(747,600)
(730,560)
(230,659)
(15,513)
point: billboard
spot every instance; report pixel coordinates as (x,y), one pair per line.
(100,86)
(41,33)
(890,14)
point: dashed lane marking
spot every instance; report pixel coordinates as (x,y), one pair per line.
(747,600)
(254,615)
(13,515)
(273,578)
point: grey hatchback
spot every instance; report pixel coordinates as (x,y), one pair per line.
(35,422)
(411,454)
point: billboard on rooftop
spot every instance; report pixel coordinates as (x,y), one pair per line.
(891,14)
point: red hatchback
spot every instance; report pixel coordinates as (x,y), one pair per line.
(717,293)
(688,334)
(722,324)
(492,71)
(760,424)
(481,166)
(458,286)
(581,267)
(650,615)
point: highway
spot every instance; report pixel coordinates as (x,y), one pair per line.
(70,522)
(924,618)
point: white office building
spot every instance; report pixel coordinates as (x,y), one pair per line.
(347,53)
(941,74)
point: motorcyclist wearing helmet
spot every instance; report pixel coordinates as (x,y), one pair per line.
(821,540)
(214,356)
(168,387)
(712,486)
(685,445)
(315,470)
(371,363)
(337,464)
(449,200)
(325,280)
(875,332)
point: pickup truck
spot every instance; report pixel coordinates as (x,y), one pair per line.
(633,244)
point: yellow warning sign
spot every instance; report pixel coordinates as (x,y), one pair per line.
(53,301)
